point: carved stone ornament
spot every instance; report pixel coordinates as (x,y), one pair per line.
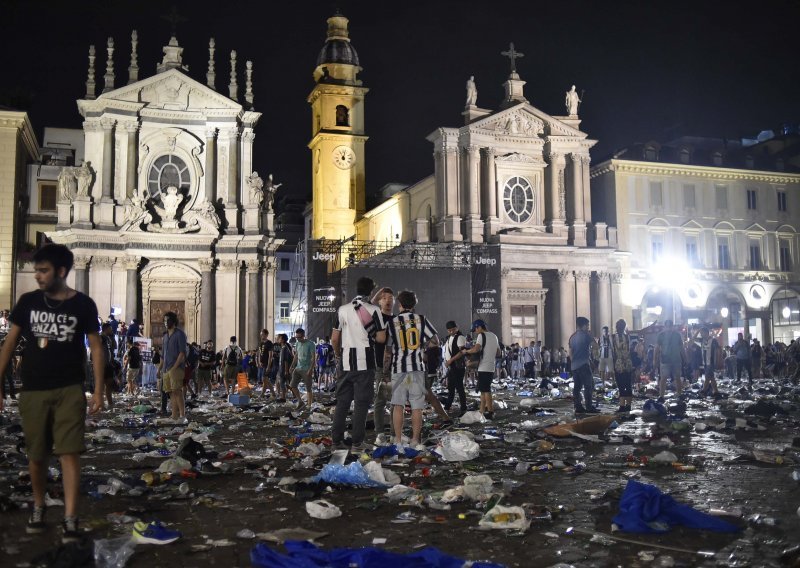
(135,212)
(83,175)
(582,275)
(518,158)
(256,186)
(203,217)
(562,195)
(564,274)
(515,125)
(67,184)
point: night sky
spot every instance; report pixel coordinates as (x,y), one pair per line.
(650,70)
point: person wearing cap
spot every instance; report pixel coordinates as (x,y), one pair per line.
(488,346)
(455,362)
(581,345)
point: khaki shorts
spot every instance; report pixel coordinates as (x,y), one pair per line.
(301,375)
(409,387)
(173,380)
(230,372)
(53,421)
(133,374)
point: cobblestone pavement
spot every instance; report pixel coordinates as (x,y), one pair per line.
(744,455)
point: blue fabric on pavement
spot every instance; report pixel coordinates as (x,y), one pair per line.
(382,451)
(352,474)
(645,509)
(303,554)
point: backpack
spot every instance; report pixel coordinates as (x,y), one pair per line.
(233,356)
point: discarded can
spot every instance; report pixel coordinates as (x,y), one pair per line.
(685,468)
(189,474)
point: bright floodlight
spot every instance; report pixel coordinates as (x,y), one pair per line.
(787,311)
(670,272)
(724,312)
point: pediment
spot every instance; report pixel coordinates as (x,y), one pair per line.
(170,90)
(756,227)
(692,224)
(524,120)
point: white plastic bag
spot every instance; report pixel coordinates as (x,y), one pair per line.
(472,417)
(499,517)
(323,509)
(458,447)
(113,552)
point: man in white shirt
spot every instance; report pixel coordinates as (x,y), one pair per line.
(358,327)
(487,344)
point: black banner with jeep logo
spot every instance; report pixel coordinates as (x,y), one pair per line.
(486,295)
(324,288)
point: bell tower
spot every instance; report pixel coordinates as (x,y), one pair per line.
(337,136)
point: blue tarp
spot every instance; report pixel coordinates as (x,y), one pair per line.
(302,554)
(645,509)
(382,451)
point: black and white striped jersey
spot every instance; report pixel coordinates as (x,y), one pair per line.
(409,334)
(358,322)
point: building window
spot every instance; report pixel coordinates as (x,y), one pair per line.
(342,116)
(284,311)
(749,162)
(650,153)
(786,310)
(723,254)
(168,171)
(755,256)
(717,158)
(285,287)
(518,199)
(752,200)
(47,197)
(285,264)
(782,201)
(691,252)
(722,197)
(785,257)
(657,249)
(779,165)
(685,156)
(656,194)
(689,197)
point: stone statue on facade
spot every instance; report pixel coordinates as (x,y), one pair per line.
(572,101)
(203,217)
(135,212)
(269,193)
(256,186)
(169,213)
(472,92)
(83,176)
(67,184)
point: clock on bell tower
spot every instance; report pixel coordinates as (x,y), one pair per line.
(337,136)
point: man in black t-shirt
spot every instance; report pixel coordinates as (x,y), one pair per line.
(263,360)
(54,321)
(133,362)
(205,367)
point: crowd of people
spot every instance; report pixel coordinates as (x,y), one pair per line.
(376,356)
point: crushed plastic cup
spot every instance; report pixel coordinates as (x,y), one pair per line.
(522,468)
(322,509)
(245,534)
(113,552)
(458,446)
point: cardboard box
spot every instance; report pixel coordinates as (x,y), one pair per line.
(239,399)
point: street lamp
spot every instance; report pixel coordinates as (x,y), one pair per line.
(673,274)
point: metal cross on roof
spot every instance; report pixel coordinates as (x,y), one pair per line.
(174,18)
(512,55)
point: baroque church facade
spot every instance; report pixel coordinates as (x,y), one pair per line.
(166,212)
(515,179)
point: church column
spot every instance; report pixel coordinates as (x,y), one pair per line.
(474,224)
(587,194)
(452,221)
(80,267)
(566,305)
(246,159)
(268,279)
(108,157)
(131,287)
(131,128)
(578,229)
(616,302)
(557,212)
(210,173)
(583,293)
(206,299)
(228,165)
(441,196)
(604,311)
(253,303)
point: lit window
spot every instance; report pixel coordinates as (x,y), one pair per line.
(656,194)
(785,257)
(782,201)
(691,251)
(518,199)
(723,254)
(657,249)
(47,197)
(752,200)
(755,256)
(284,310)
(689,197)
